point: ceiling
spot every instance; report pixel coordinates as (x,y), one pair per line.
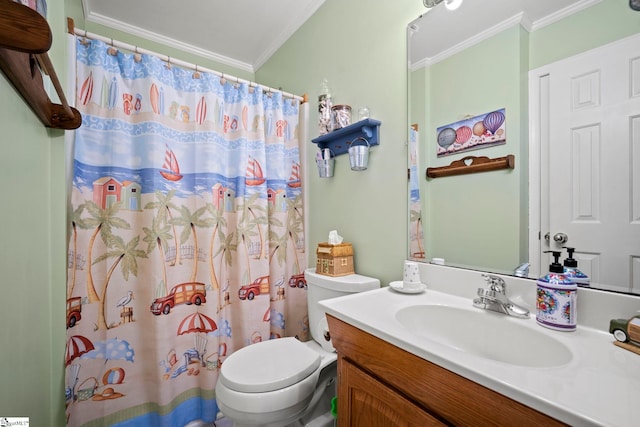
(440,33)
(239,33)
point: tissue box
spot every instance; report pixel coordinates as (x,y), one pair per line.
(334,260)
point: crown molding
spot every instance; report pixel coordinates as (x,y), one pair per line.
(471,41)
(520,18)
(287,32)
(562,13)
(167,41)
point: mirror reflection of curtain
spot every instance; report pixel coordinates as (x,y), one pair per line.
(416,234)
(186,231)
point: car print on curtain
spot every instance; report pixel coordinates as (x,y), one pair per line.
(186,190)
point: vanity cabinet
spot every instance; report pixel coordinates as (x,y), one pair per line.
(372,403)
(380,384)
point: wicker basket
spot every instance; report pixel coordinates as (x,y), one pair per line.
(87,393)
(334,260)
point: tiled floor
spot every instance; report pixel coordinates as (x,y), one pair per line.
(223,422)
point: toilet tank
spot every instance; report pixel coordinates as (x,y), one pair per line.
(321,287)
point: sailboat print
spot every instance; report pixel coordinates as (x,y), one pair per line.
(294,179)
(254,174)
(170,168)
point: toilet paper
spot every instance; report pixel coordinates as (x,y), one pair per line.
(323,335)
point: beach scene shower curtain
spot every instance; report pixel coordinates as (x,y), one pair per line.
(416,232)
(186,236)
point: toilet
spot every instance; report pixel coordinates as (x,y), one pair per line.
(284,382)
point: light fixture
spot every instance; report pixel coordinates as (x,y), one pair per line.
(452,4)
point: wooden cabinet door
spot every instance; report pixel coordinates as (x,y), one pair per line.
(363,401)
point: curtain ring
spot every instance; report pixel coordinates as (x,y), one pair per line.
(223,80)
(196,75)
(136,56)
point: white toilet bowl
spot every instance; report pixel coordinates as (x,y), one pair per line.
(272,385)
(278,382)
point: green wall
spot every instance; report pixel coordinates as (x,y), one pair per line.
(359,48)
(598,25)
(493,208)
(32,265)
(466,213)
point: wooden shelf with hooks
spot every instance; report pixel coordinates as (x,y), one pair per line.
(340,140)
(472,164)
(25,38)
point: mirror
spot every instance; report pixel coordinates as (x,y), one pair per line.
(474,61)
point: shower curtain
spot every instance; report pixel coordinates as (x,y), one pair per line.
(186,236)
(416,234)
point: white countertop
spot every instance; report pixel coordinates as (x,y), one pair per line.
(600,386)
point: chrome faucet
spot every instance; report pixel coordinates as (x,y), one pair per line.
(494,298)
(522,270)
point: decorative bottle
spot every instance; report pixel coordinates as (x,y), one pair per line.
(572,272)
(325,103)
(556,298)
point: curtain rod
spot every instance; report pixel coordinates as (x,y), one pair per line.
(118,44)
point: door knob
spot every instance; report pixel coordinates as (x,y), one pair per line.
(560,238)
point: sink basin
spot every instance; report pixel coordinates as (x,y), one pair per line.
(485,334)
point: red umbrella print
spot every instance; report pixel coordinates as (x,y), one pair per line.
(77,345)
(196,322)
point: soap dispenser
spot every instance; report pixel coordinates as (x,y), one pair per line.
(556,298)
(571,269)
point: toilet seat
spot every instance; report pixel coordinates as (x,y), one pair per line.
(269,366)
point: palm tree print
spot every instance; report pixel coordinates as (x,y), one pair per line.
(244,232)
(76,221)
(416,217)
(189,221)
(258,217)
(217,220)
(158,236)
(276,241)
(294,229)
(126,256)
(103,220)
(226,249)
(164,206)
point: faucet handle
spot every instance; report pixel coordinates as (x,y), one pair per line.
(495,283)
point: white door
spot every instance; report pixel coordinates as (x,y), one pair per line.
(587,125)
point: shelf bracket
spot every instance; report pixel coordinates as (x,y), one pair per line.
(25,38)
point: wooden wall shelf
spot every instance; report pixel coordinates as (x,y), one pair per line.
(472,164)
(340,140)
(25,38)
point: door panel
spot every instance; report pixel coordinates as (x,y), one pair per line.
(593,167)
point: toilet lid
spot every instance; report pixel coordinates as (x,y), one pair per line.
(269,365)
